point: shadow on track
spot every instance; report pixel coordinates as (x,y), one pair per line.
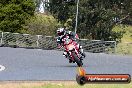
(73,66)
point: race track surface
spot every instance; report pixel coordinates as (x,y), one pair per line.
(35,64)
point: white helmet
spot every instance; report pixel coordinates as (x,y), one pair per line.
(61,31)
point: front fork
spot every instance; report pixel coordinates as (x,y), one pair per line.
(77,53)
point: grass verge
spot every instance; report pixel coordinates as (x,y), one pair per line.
(59,84)
(125,46)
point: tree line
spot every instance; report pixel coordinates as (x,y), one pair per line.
(96,18)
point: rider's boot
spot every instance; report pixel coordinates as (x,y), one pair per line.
(65,54)
(70,61)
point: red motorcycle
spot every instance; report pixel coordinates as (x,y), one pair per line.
(72,49)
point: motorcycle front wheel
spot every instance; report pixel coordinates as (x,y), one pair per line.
(77,60)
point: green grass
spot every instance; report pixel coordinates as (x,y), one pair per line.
(86,86)
(60,84)
(125,49)
(125,46)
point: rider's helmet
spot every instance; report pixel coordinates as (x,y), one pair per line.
(61,32)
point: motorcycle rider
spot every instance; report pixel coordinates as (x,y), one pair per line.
(61,35)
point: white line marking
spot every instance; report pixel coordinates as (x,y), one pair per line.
(2,68)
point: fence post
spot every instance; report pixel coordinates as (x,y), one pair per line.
(16,38)
(115,47)
(1,41)
(37,41)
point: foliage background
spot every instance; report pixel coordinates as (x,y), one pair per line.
(96,19)
(14,13)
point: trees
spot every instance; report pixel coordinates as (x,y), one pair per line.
(13,14)
(96,17)
(61,10)
(41,24)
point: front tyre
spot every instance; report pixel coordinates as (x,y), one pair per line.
(77,60)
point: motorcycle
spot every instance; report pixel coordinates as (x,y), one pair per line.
(72,50)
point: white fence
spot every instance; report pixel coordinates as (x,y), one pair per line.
(8,39)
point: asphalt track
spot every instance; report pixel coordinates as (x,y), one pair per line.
(35,64)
